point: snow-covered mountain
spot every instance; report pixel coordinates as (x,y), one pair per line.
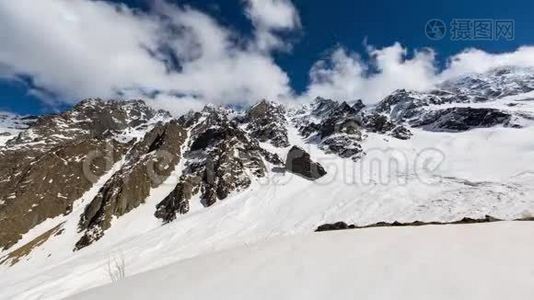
(11,125)
(110,179)
(495,84)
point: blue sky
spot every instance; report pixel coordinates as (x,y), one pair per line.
(324,26)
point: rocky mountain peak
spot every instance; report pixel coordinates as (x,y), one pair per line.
(91,118)
(267,122)
(321,106)
(264,107)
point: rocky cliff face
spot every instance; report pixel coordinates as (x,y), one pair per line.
(463,103)
(444,111)
(221,159)
(148,163)
(337,127)
(462,118)
(266,121)
(58,158)
(341,128)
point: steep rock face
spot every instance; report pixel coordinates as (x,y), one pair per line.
(35,186)
(378,123)
(267,123)
(425,110)
(461,119)
(337,126)
(403,105)
(53,162)
(341,128)
(446,108)
(148,164)
(358,105)
(221,159)
(299,162)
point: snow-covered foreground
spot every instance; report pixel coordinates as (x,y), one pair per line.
(477,261)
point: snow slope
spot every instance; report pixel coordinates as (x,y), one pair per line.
(479,261)
(10,126)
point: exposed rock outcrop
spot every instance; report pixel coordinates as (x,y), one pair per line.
(379,123)
(444,108)
(400,132)
(335,226)
(337,126)
(35,185)
(59,157)
(221,159)
(466,220)
(461,118)
(148,164)
(299,162)
(267,122)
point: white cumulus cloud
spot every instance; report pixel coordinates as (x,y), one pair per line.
(270,17)
(344,75)
(178,58)
(80,48)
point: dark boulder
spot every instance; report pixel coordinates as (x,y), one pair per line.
(299,162)
(342,145)
(335,226)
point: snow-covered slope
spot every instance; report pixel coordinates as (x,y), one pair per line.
(477,262)
(11,125)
